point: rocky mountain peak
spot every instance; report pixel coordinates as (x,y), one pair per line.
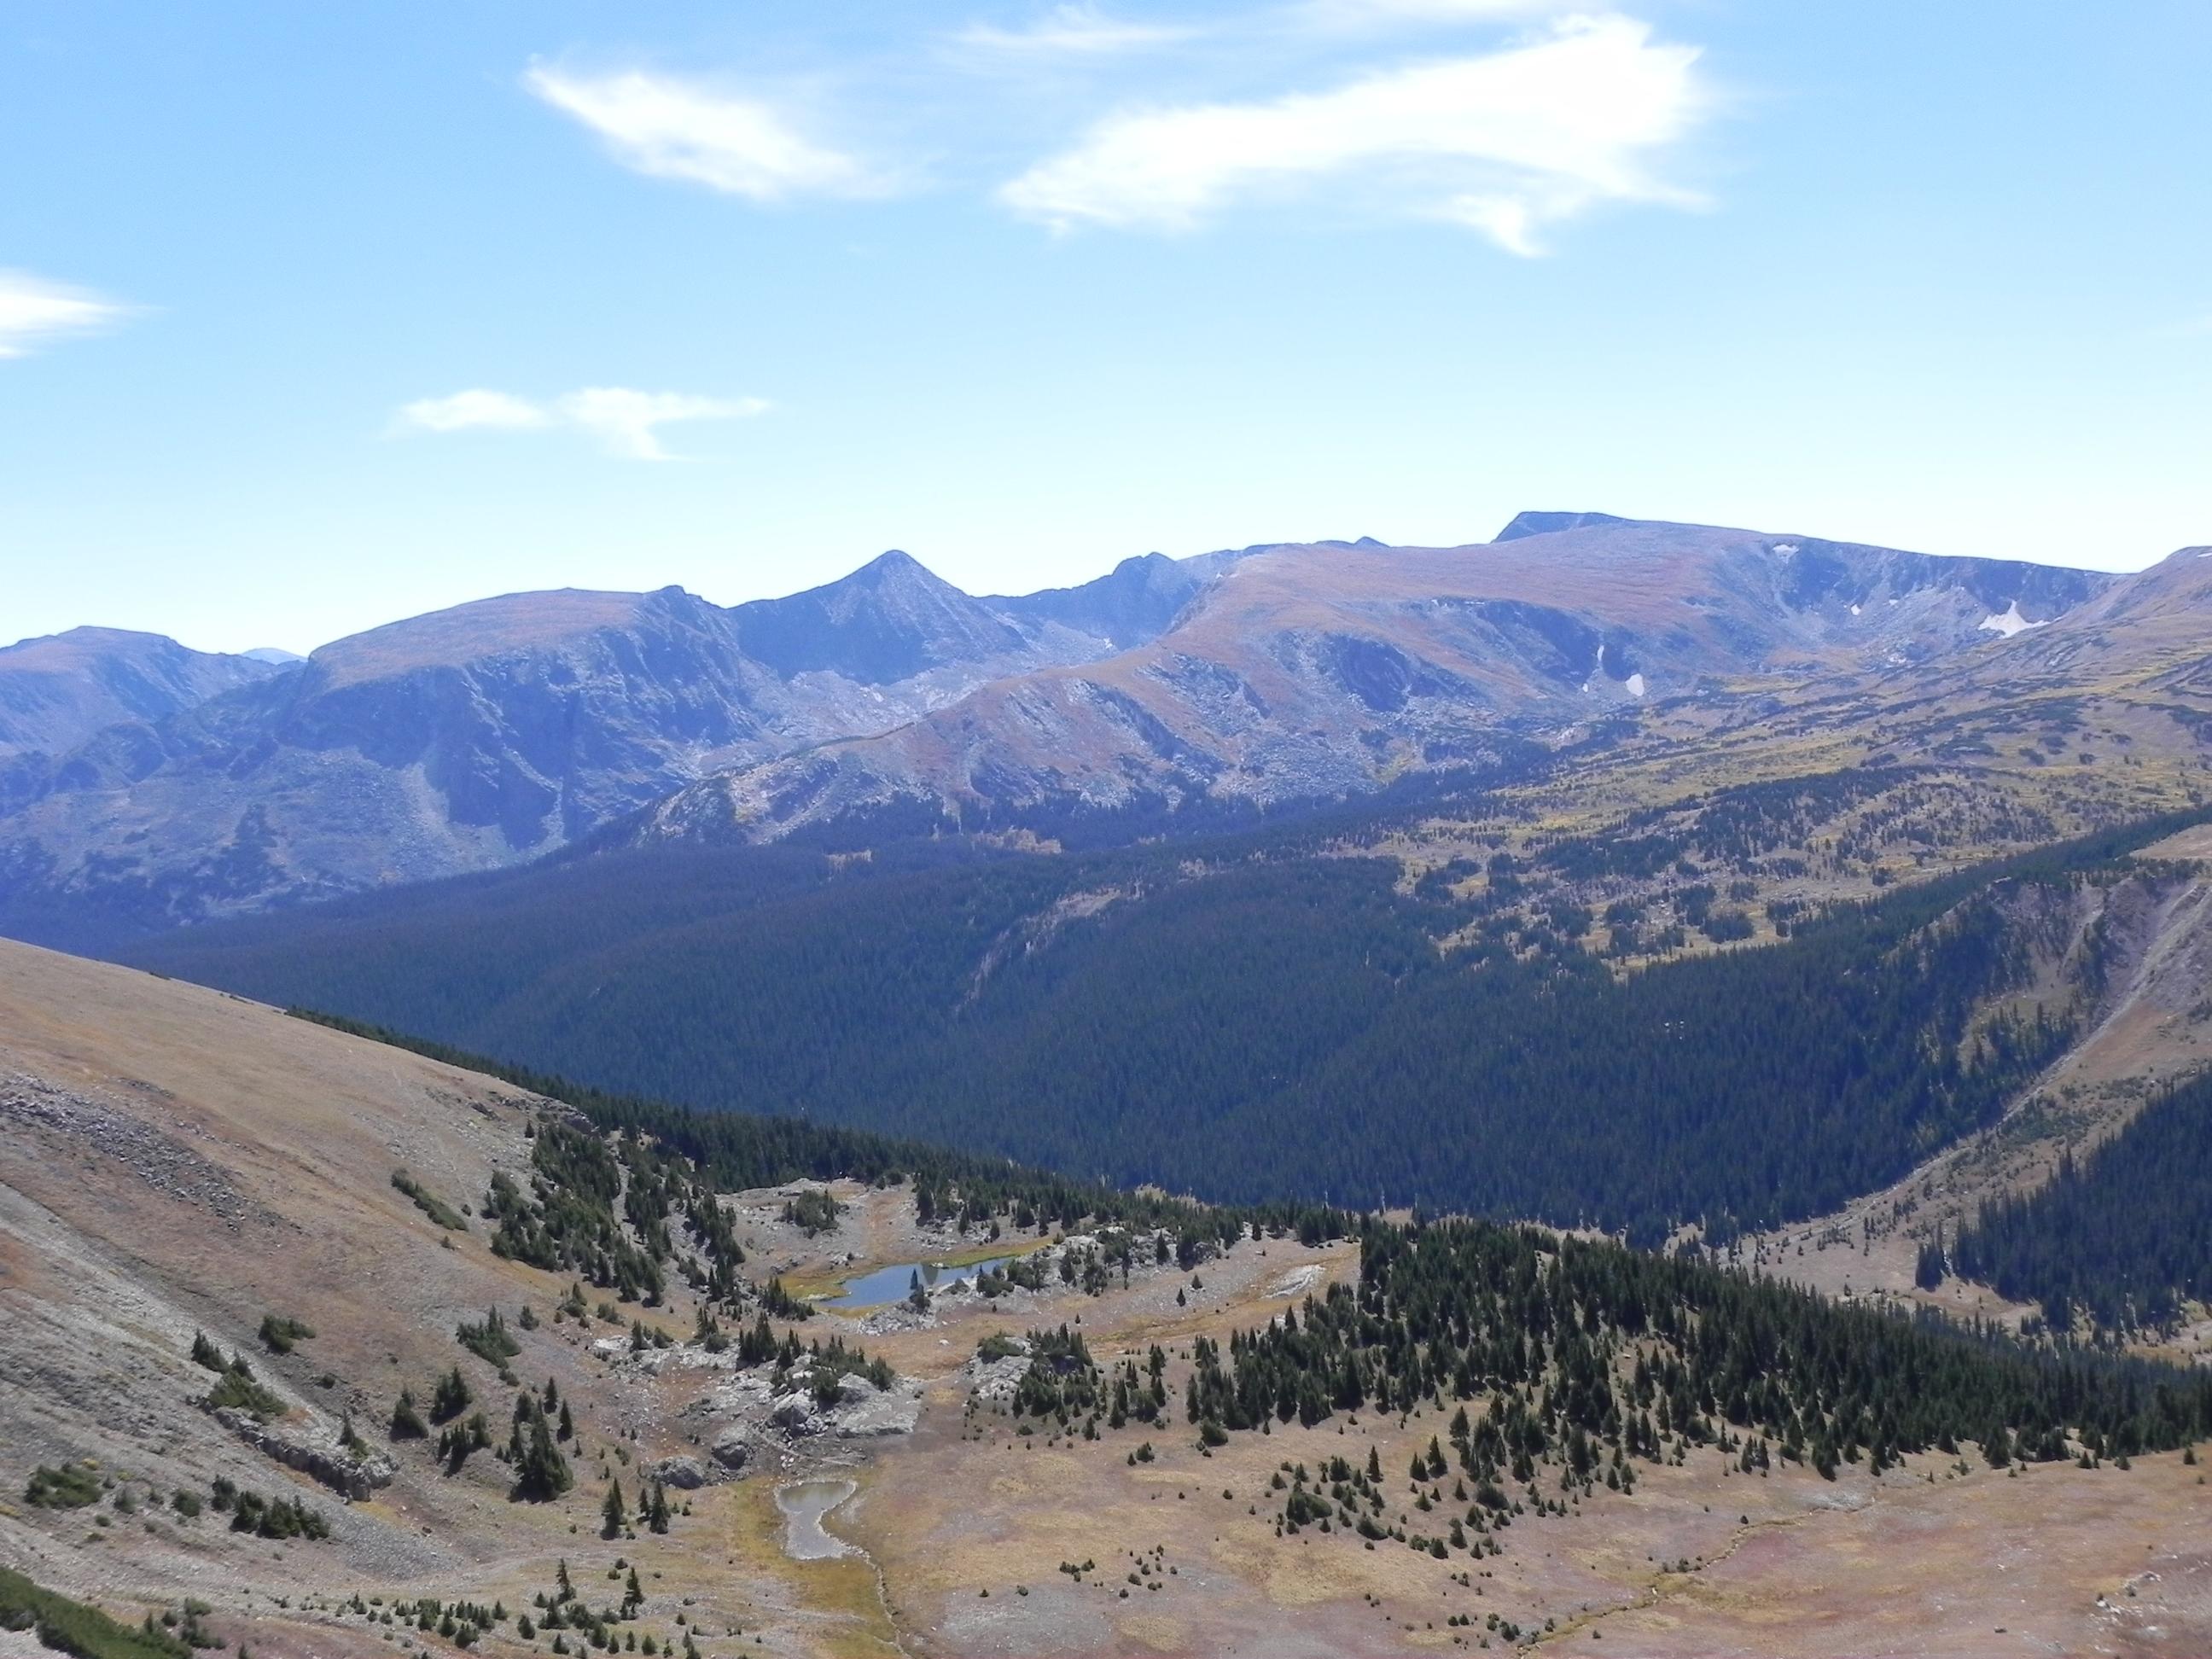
(1544,523)
(57,689)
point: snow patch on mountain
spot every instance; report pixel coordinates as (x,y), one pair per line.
(2008,621)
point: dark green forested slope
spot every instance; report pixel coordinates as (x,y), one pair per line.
(1240,1019)
(2122,1235)
(738,1150)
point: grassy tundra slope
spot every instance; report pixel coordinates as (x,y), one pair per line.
(177,1161)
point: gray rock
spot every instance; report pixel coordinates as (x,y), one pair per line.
(795,1413)
(685,1474)
(733,1449)
(354,1477)
(880,1413)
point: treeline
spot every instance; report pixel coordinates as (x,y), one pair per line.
(1591,1353)
(666,1161)
(1565,1363)
(2122,1238)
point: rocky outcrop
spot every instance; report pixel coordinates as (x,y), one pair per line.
(685,1474)
(353,1476)
(750,1416)
(995,1381)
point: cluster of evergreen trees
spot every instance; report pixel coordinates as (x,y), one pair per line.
(235,1385)
(2122,1238)
(1583,1358)
(78,1629)
(278,1518)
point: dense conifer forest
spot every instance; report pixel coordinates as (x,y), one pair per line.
(2121,1237)
(668,1159)
(1240,1019)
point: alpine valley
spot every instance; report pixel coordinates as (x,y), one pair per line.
(1634,1085)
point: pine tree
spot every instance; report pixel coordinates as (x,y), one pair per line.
(453,1396)
(541,1473)
(1929,1272)
(613,1512)
(407,1422)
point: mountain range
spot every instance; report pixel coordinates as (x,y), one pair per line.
(958,1062)
(142,785)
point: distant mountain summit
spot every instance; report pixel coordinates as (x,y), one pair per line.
(143,786)
(1545,524)
(890,621)
(1320,670)
(56,691)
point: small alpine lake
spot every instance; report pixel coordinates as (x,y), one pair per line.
(805,1505)
(885,1286)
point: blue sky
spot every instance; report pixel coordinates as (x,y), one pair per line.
(315,316)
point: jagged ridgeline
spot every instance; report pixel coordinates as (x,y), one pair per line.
(1241,1019)
(2121,1237)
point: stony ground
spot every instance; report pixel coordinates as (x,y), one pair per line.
(173,1160)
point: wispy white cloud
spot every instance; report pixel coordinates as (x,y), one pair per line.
(1506,141)
(626,422)
(475,409)
(673,128)
(35,312)
(1069,30)
(1348,16)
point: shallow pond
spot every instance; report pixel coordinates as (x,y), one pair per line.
(805,1505)
(889,1284)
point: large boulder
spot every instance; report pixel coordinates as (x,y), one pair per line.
(685,1474)
(795,1413)
(733,1447)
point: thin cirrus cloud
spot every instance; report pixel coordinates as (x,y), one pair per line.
(1068,31)
(1365,14)
(35,312)
(673,128)
(625,422)
(1507,142)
